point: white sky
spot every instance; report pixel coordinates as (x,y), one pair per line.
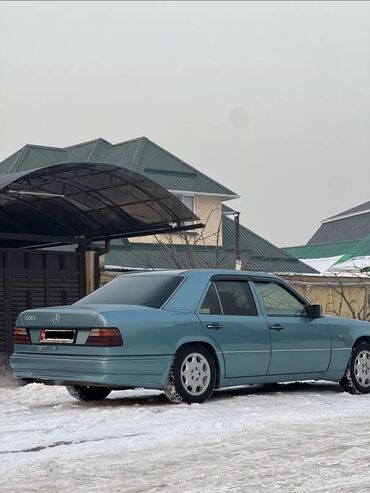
(269,98)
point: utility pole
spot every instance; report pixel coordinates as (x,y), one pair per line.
(236,215)
(238,260)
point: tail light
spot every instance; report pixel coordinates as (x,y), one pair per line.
(20,336)
(104,337)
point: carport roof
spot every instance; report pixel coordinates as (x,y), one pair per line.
(83,202)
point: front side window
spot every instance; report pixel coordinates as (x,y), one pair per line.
(144,290)
(278,301)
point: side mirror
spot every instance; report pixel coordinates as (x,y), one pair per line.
(314,311)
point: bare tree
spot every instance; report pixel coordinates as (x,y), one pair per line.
(347,296)
(358,308)
(194,250)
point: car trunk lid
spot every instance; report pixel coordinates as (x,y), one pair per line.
(58,326)
(63,328)
(57,317)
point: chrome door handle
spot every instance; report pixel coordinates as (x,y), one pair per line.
(215,326)
(277,327)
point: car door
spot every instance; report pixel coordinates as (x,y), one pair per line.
(229,315)
(299,344)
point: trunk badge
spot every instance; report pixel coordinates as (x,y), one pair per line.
(56,318)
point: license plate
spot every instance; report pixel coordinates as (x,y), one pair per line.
(52,336)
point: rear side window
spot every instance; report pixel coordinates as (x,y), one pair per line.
(151,290)
(236,298)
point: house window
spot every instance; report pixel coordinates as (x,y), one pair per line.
(189,202)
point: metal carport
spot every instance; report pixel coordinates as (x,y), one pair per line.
(71,203)
(81,203)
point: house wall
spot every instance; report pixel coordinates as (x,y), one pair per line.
(345,296)
(106,276)
(209,210)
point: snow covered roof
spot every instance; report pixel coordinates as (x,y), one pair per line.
(335,257)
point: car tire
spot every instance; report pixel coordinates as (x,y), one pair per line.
(192,376)
(83,393)
(356,380)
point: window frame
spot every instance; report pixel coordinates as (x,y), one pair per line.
(231,278)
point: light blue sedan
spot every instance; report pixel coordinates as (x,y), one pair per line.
(188,333)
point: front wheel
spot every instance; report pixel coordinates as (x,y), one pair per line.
(192,376)
(357,377)
(83,393)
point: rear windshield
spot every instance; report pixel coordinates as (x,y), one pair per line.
(141,290)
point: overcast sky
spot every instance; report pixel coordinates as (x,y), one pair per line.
(269,98)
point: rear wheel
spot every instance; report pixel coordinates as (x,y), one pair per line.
(357,377)
(193,375)
(83,393)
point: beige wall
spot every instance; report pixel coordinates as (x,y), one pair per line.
(209,210)
(345,297)
(106,276)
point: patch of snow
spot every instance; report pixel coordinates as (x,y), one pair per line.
(121,268)
(321,264)
(328,266)
(298,437)
(6,376)
(355,264)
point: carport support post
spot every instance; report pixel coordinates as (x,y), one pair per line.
(92,260)
(91,272)
(81,249)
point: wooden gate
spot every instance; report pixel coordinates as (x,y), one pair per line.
(33,279)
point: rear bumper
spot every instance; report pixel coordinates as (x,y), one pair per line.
(110,371)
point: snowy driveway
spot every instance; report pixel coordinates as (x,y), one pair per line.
(294,437)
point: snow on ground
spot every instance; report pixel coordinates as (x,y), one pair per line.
(304,437)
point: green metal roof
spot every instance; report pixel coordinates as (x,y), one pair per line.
(346,250)
(345,236)
(153,256)
(140,155)
(321,251)
(250,241)
(257,254)
(359,249)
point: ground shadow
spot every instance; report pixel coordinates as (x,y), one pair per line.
(160,400)
(270,388)
(227,393)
